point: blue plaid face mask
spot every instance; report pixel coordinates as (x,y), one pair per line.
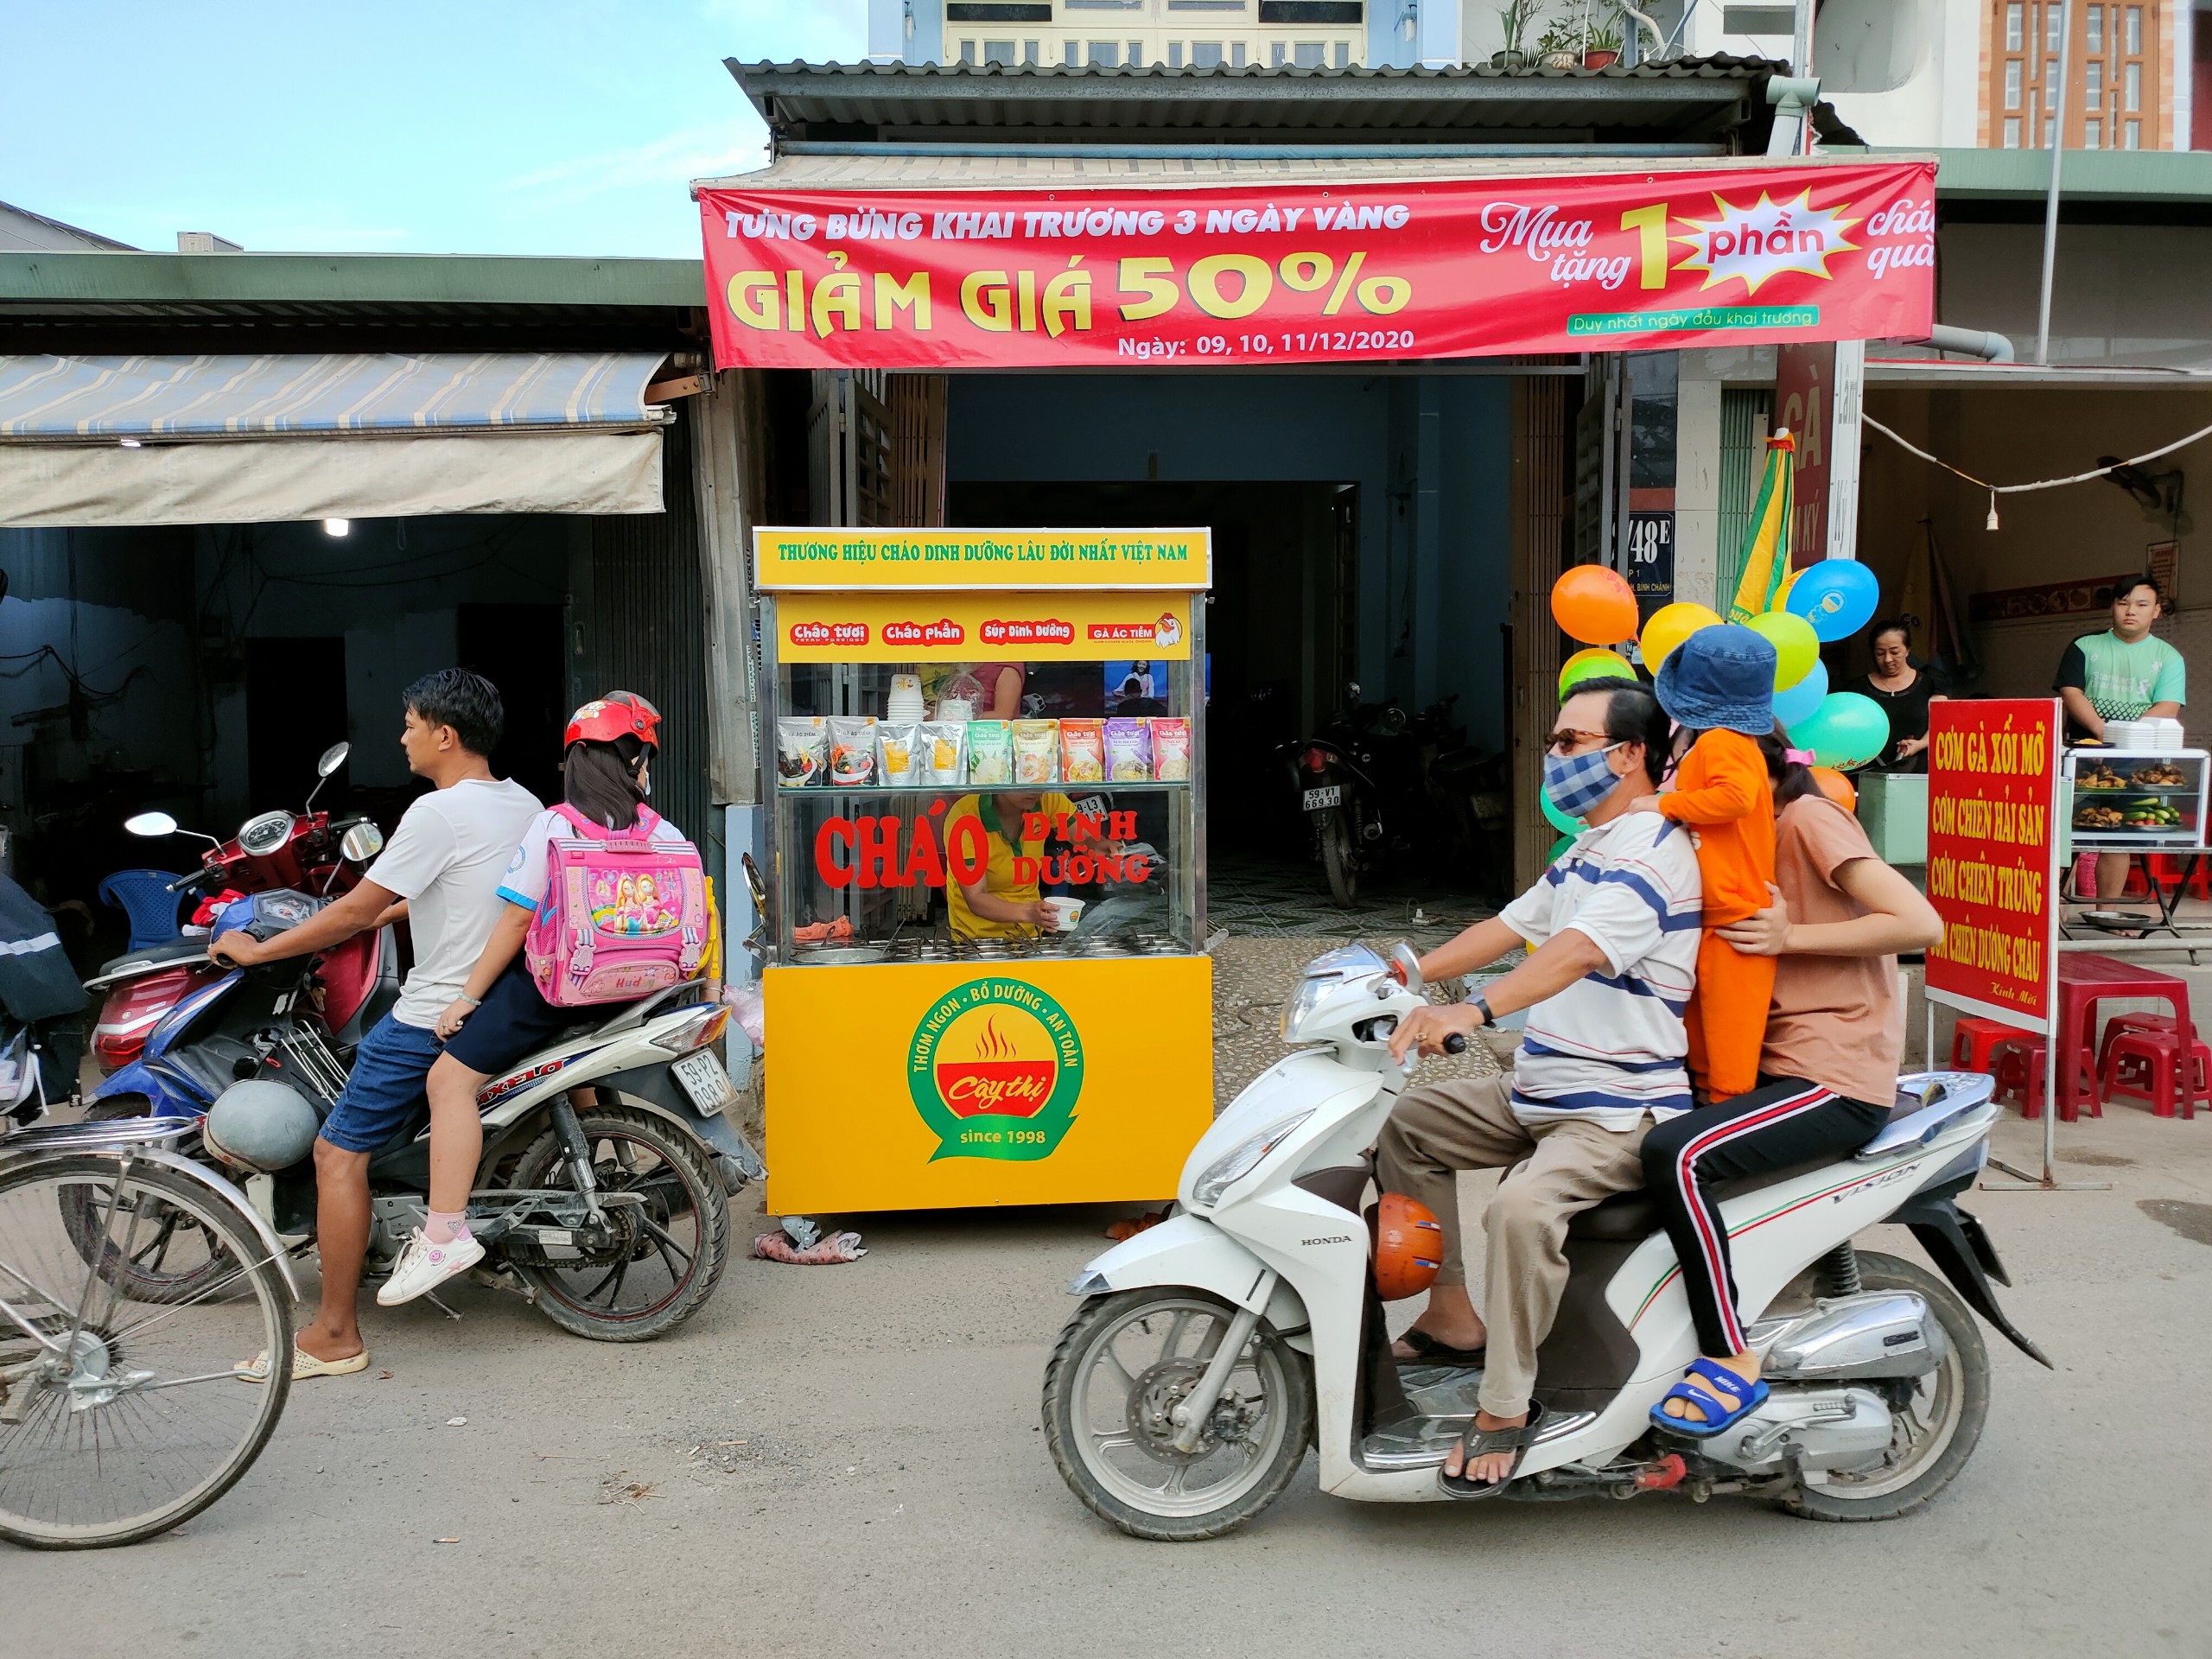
(1575,782)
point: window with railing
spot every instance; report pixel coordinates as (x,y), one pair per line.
(2134,31)
(2093,89)
(2014,19)
(2012,85)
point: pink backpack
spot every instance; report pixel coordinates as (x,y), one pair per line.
(625,916)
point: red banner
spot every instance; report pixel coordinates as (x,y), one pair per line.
(1300,273)
(1992,856)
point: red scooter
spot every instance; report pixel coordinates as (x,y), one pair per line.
(307,851)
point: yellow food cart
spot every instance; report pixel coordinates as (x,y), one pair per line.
(986,982)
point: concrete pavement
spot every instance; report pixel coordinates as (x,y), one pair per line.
(847,1460)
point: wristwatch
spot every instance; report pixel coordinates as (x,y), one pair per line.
(1482,1007)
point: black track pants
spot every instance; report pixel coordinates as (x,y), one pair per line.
(1784,1121)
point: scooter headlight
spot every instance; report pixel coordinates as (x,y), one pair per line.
(1312,993)
(1232,1167)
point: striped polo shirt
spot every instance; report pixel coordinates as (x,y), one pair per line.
(1610,1047)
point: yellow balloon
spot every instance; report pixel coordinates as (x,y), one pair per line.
(1591,664)
(1796,647)
(1669,626)
(1782,594)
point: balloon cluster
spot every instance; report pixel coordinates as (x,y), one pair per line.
(1817,606)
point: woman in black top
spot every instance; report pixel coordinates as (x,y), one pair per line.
(1903,692)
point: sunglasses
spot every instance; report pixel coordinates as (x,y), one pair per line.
(1565,739)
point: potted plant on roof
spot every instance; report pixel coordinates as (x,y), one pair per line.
(1516,18)
(1560,44)
(1601,46)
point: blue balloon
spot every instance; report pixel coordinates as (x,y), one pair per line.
(1797,703)
(1837,596)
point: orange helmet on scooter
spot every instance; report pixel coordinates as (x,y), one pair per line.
(619,714)
(1409,1247)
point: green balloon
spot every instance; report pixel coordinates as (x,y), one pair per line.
(1557,819)
(1559,847)
(1846,730)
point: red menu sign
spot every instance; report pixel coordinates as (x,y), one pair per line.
(1992,856)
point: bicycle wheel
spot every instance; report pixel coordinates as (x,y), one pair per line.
(121,1417)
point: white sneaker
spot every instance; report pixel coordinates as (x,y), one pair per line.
(424,1266)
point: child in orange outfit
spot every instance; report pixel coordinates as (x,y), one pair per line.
(1719,685)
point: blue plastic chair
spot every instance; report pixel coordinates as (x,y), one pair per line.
(144,897)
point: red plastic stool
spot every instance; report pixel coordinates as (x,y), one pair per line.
(2156,1073)
(1972,1037)
(2122,1023)
(2017,1064)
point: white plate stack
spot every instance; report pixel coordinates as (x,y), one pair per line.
(2150,736)
(906,701)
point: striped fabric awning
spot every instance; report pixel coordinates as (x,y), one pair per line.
(77,399)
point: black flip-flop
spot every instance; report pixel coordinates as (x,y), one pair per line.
(1427,1350)
(1477,1442)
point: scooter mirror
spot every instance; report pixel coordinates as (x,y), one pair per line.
(151,825)
(361,844)
(1407,963)
(332,758)
(755,885)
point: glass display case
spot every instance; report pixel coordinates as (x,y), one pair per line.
(880,825)
(985,836)
(2133,800)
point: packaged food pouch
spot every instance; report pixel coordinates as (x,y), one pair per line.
(1171,750)
(990,752)
(1128,751)
(1036,751)
(852,751)
(941,752)
(895,758)
(1083,751)
(801,750)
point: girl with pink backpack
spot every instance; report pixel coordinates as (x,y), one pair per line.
(606,902)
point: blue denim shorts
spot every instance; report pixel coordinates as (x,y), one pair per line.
(385,1087)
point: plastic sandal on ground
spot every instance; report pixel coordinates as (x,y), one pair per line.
(1741,1397)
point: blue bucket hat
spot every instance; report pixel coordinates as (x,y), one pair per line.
(1720,677)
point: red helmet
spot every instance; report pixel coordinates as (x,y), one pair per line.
(619,714)
(1409,1247)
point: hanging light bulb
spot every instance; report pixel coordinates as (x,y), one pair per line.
(1992,524)
(337,526)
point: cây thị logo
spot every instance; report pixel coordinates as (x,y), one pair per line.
(995,1069)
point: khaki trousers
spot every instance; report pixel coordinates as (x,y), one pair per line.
(1435,1132)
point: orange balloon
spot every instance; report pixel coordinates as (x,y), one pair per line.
(1594,605)
(1837,787)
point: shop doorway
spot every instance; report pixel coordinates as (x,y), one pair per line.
(1282,622)
(290,717)
(518,648)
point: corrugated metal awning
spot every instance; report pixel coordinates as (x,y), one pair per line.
(900,169)
(70,399)
(128,441)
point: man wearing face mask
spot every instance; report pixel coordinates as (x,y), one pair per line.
(1615,926)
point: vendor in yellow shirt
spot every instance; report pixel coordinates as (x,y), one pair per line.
(1000,906)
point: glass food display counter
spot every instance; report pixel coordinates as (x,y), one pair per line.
(986,845)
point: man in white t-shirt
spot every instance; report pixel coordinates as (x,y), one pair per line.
(1614,925)
(442,871)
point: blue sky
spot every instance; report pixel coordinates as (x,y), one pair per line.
(434,126)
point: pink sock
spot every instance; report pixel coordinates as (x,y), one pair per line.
(442,1228)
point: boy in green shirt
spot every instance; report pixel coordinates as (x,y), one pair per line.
(2121,674)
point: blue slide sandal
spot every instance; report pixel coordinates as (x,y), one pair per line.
(1728,1396)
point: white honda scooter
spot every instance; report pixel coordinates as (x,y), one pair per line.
(1212,1349)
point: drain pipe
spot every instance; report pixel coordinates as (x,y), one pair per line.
(1972,342)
